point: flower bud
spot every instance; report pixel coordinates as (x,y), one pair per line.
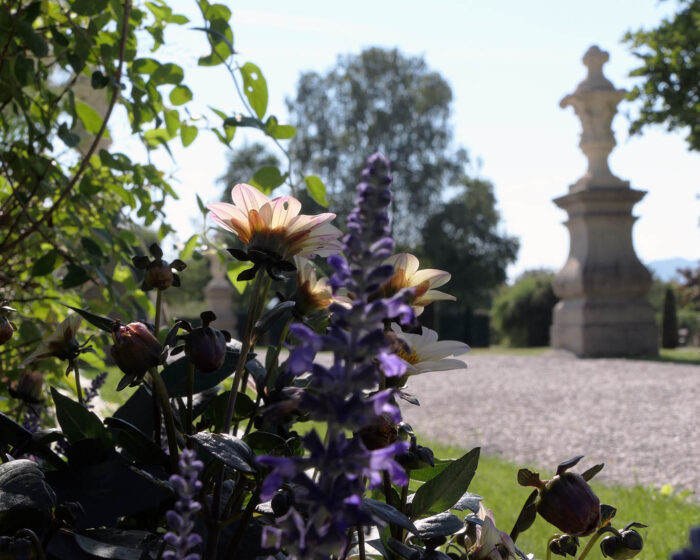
(29,387)
(566,545)
(568,502)
(159,275)
(379,434)
(6,329)
(205,346)
(626,545)
(135,349)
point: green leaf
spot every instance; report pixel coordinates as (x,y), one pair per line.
(283,132)
(104,323)
(231,451)
(91,247)
(91,119)
(46,264)
(145,65)
(202,207)
(187,134)
(24,70)
(30,38)
(167,74)
(268,178)
(180,95)
(255,88)
(243,121)
(88,7)
(233,269)
(172,121)
(69,139)
(98,80)
(187,251)
(317,190)
(75,276)
(77,422)
(388,514)
(442,492)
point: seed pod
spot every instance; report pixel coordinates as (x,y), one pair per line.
(568,503)
(135,351)
(159,275)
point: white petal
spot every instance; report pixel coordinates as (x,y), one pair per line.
(440,365)
(248,198)
(434,277)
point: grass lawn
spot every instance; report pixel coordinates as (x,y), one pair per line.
(669,516)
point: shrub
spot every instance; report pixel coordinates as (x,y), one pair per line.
(522,313)
(669,322)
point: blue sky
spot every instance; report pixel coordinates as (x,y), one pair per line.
(509,63)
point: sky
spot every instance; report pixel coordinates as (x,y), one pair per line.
(508,63)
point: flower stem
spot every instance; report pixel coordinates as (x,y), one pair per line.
(78,389)
(589,546)
(190,392)
(245,348)
(361,541)
(159,299)
(162,392)
(550,541)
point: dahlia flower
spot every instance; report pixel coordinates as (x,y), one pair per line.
(423,352)
(407,275)
(274,226)
(61,343)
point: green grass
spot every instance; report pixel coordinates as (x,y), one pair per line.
(669,516)
(684,355)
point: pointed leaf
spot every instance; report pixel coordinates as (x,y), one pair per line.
(104,323)
(255,88)
(594,470)
(566,465)
(231,451)
(526,517)
(77,422)
(263,324)
(317,190)
(528,478)
(440,525)
(442,492)
(468,501)
(389,514)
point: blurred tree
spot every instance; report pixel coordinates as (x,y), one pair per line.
(522,313)
(379,100)
(670,92)
(463,237)
(669,322)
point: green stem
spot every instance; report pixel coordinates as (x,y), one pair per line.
(78,389)
(245,348)
(190,392)
(159,299)
(589,546)
(162,392)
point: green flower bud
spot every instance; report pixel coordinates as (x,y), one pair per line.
(135,351)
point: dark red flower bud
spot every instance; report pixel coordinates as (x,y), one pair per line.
(135,349)
(205,346)
(6,329)
(159,275)
(626,545)
(568,502)
(29,387)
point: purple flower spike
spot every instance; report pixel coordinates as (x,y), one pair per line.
(181,538)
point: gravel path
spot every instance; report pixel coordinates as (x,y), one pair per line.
(641,418)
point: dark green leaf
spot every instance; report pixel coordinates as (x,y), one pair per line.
(77,422)
(89,7)
(594,470)
(440,525)
(526,517)
(69,139)
(167,74)
(468,501)
(316,189)
(24,70)
(442,492)
(528,478)
(75,276)
(389,514)
(46,264)
(91,247)
(30,38)
(243,121)
(231,451)
(138,445)
(265,443)
(566,465)
(427,473)
(271,316)
(255,88)
(403,550)
(104,323)
(25,497)
(98,80)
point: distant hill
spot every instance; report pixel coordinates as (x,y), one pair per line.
(665,270)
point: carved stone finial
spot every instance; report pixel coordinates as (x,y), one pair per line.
(595,102)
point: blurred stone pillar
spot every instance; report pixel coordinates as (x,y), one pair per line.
(603,309)
(218,294)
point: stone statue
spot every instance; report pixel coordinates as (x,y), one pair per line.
(603,309)
(218,294)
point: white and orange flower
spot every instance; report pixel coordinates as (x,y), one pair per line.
(313,292)
(61,343)
(491,543)
(407,275)
(424,352)
(275,226)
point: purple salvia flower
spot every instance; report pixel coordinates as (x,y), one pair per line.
(693,552)
(94,389)
(345,394)
(181,538)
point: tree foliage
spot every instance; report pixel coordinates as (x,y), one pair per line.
(670,92)
(379,100)
(669,321)
(247,162)
(522,313)
(464,237)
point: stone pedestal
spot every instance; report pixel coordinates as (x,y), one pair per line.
(218,294)
(603,309)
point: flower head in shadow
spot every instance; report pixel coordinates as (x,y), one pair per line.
(159,273)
